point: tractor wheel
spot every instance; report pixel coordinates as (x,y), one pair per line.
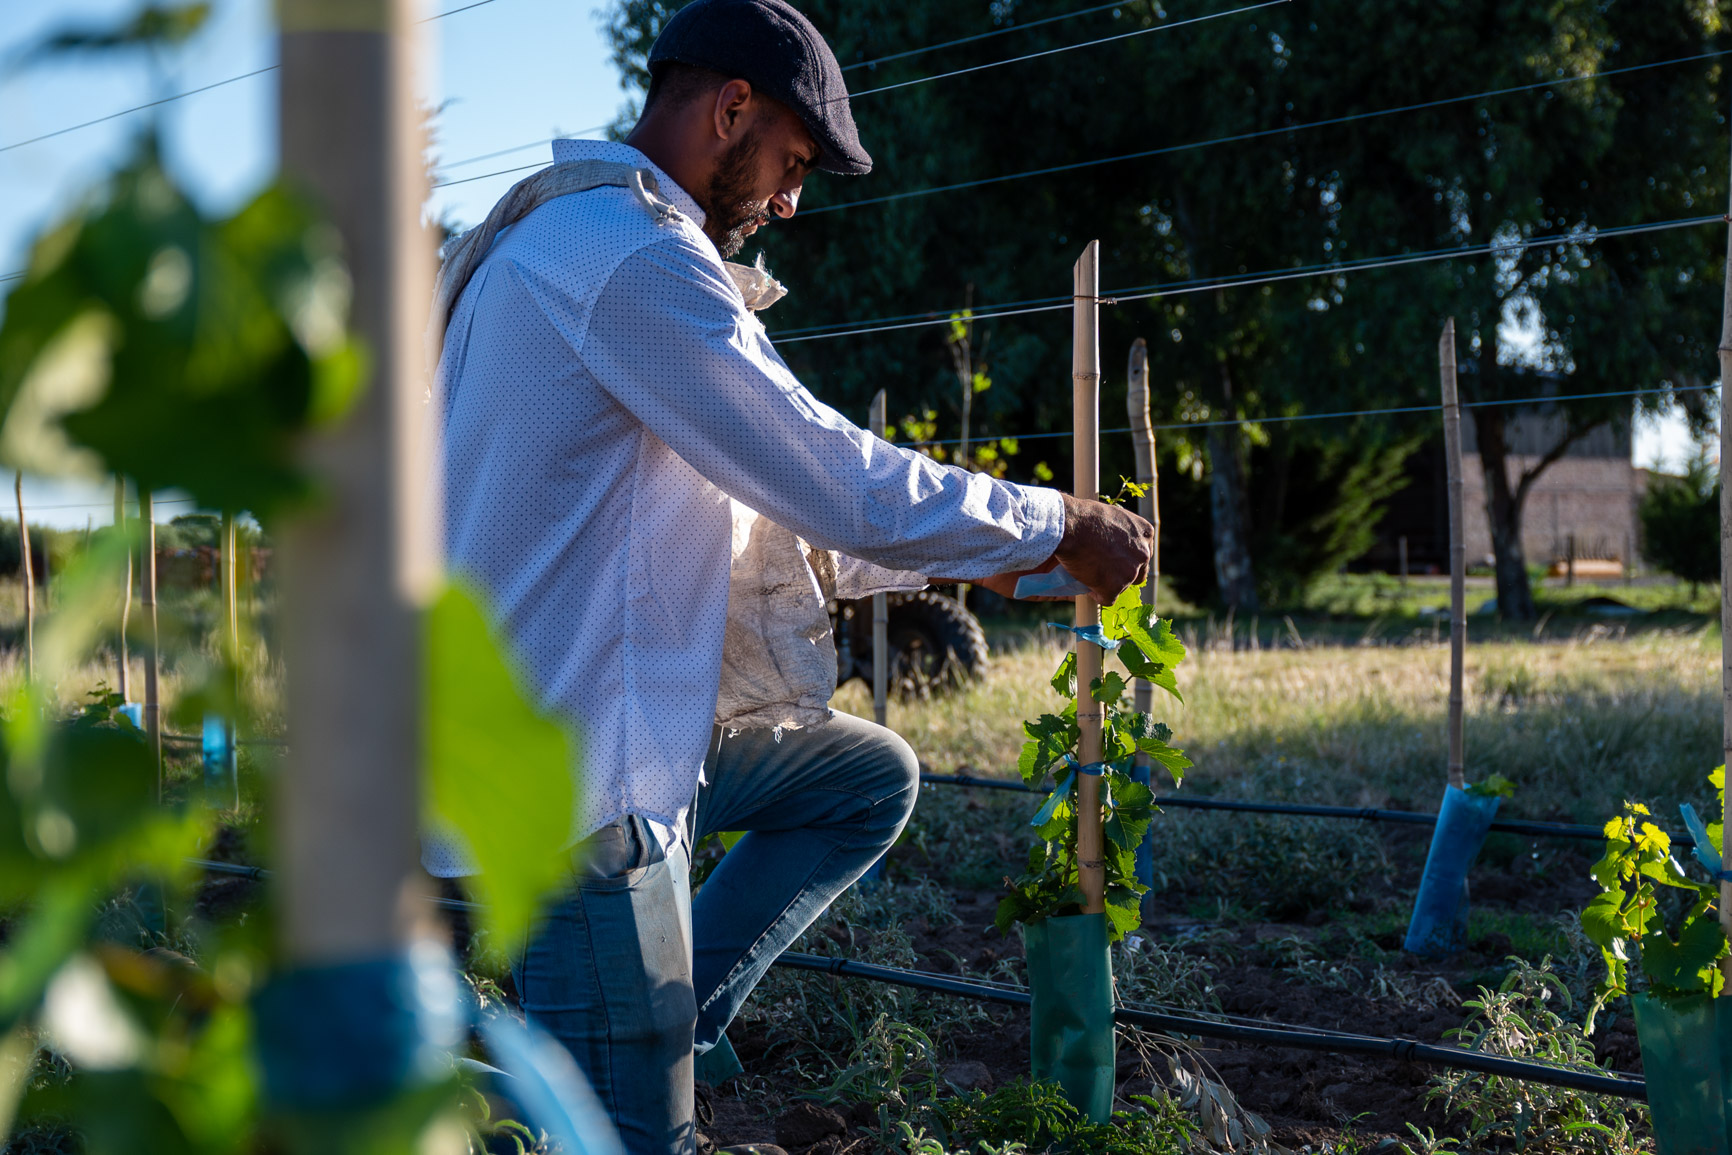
(935,644)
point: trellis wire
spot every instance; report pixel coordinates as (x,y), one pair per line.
(1257,133)
(149,104)
(1064,48)
(1305,810)
(1266,277)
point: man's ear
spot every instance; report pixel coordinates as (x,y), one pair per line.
(732,100)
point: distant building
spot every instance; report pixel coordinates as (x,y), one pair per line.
(1588,497)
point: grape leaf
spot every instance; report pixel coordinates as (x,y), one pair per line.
(1688,963)
(1064,678)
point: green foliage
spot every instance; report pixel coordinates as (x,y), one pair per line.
(1681,522)
(1492,786)
(153,26)
(1036,1117)
(516,826)
(1626,920)
(150,342)
(1522,1019)
(1051,886)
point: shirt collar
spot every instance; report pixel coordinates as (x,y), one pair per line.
(612,150)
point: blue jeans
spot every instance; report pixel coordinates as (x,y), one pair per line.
(633,975)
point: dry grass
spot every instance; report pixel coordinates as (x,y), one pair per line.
(1578,725)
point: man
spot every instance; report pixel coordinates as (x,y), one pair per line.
(609,400)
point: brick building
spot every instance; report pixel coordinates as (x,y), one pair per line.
(1590,495)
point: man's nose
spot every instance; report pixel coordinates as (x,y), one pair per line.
(786,202)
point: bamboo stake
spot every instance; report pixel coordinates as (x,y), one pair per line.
(1086,383)
(147,601)
(1143,439)
(27,570)
(880,605)
(123,659)
(1726,582)
(356,575)
(231,614)
(1457,546)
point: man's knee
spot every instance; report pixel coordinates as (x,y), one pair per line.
(895,775)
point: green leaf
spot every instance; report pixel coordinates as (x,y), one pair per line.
(1108,688)
(499,775)
(1050,737)
(1064,678)
(1688,963)
(1603,919)
(1495,786)
(1155,673)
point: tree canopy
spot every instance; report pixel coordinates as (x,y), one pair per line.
(1599,148)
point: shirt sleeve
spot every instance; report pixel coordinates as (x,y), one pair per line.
(671,341)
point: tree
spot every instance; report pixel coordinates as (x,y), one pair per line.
(1681,523)
(1632,312)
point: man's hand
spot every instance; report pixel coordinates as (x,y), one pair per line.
(1106,547)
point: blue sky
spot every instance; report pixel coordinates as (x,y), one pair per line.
(501,75)
(504,75)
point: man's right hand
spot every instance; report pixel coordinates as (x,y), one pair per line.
(1106,547)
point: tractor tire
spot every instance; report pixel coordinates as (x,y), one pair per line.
(935,645)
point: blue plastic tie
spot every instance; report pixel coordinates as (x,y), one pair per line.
(1089,634)
(1093,769)
(1704,851)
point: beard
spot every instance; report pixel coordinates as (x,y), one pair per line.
(730,210)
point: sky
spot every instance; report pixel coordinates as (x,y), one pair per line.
(503,76)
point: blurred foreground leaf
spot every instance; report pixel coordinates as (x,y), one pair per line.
(148,341)
(499,774)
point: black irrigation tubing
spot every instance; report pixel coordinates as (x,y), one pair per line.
(1407,1050)
(1305,810)
(1332,1042)
(195,740)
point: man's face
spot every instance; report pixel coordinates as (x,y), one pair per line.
(760,173)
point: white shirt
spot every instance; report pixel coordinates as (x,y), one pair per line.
(605,392)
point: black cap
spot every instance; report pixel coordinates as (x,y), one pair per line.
(774,48)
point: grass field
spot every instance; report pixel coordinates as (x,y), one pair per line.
(1578,724)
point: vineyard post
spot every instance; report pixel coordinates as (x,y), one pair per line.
(1457,546)
(123,660)
(1085,409)
(26,571)
(1149,505)
(1726,581)
(147,602)
(232,623)
(356,573)
(880,605)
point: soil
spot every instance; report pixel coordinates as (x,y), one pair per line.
(1308,1097)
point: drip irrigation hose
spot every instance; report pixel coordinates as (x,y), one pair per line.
(1332,1042)
(1364,813)
(1408,1050)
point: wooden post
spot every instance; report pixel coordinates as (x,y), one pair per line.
(1457,547)
(147,600)
(122,659)
(1143,441)
(1085,409)
(880,604)
(232,620)
(1401,546)
(27,572)
(1726,582)
(1570,561)
(356,573)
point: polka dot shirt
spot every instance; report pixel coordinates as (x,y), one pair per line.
(605,391)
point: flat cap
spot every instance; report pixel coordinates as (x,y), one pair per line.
(769,44)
